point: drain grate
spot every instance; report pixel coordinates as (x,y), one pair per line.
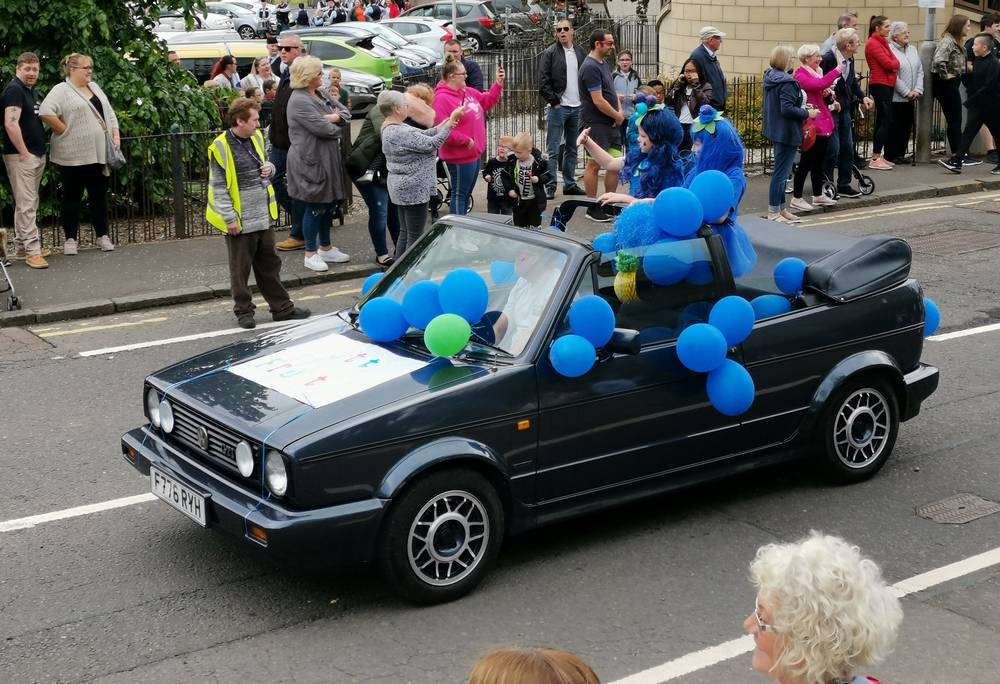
(954,242)
(958,509)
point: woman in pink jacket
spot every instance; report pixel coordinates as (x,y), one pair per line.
(883,69)
(818,87)
(465,145)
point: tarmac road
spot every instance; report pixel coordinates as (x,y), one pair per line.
(140,594)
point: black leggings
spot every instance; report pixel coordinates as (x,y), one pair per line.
(811,164)
(76,179)
(882,94)
(946,92)
(902,128)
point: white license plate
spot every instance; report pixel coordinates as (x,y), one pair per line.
(180,496)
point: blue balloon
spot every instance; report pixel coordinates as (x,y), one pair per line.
(503,273)
(730,388)
(789,274)
(370,282)
(701,272)
(464,292)
(420,304)
(769,305)
(382,319)
(695,312)
(606,242)
(678,212)
(572,356)
(734,317)
(701,348)
(593,319)
(667,262)
(932,316)
(715,192)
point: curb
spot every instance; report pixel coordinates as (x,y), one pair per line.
(149,300)
(909,194)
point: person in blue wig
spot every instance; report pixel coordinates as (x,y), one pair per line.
(656,165)
(718,147)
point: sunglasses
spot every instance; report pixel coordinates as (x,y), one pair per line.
(563,29)
(286,48)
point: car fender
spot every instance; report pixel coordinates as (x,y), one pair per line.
(862,362)
(444,450)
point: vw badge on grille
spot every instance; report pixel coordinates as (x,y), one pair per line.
(203,438)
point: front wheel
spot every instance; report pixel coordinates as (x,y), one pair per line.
(247,32)
(858,430)
(865,184)
(441,537)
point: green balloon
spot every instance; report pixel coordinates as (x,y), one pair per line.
(447,334)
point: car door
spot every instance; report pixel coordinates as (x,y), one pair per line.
(633,418)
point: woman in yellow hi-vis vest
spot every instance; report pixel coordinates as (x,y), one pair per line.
(241,204)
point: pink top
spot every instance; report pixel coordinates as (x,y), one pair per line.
(814,86)
(472,125)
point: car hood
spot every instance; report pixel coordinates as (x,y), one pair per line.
(209,384)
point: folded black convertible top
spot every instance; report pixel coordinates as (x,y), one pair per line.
(839,266)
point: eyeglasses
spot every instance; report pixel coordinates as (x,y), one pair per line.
(286,48)
(761,625)
(563,29)
(86,68)
(461,73)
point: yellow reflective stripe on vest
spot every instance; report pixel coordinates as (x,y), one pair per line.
(220,151)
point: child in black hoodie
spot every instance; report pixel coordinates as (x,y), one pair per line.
(497,177)
(528,172)
(983,101)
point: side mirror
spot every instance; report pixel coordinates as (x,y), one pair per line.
(623,341)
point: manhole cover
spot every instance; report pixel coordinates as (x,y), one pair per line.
(952,242)
(958,509)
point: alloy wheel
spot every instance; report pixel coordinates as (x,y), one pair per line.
(448,538)
(861,428)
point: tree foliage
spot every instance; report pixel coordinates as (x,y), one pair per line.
(130,65)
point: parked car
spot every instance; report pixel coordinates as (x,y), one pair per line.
(478,19)
(173,20)
(413,60)
(313,438)
(200,58)
(396,42)
(428,32)
(245,20)
(362,89)
(356,54)
(516,15)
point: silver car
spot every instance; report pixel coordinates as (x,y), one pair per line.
(429,33)
(245,20)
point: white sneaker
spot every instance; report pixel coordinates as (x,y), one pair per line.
(104,242)
(823,201)
(800,204)
(315,263)
(70,248)
(333,256)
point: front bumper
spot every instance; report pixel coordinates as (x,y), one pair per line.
(920,383)
(347,533)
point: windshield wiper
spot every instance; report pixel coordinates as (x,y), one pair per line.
(481,341)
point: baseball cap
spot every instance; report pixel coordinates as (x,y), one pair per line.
(707,32)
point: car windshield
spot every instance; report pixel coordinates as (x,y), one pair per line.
(520,277)
(392,37)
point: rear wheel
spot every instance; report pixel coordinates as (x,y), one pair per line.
(866,184)
(247,32)
(858,430)
(441,537)
(474,44)
(830,190)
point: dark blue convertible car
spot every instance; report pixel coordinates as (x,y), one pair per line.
(313,438)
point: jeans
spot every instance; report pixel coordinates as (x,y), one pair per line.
(562,124)
(76,179)
(840,149)
(784,157)
(946,92)
(316,220)
(412,219)
(279,181)
(463,179)
(811,164)
(882,94)
(382,214)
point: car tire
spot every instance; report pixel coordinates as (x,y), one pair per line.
(441,536)
(474,43)
(858,430)
(247,32)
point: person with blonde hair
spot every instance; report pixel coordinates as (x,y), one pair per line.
(259,72)
(82,119)
(315,165)
(531,665)
(822,613)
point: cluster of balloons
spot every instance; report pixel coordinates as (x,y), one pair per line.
(702,348)
(592,323)
(445,311)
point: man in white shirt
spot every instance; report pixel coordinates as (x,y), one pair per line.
(559,86)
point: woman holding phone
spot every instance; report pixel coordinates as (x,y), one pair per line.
(464,148)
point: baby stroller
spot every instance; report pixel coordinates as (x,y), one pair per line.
(865,183)
(11,302)
(442,193)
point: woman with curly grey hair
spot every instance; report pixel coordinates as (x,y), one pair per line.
(823,612)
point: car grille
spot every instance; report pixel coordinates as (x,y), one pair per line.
(377,87)
(221,441)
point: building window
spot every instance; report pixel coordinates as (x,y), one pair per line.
(981,6)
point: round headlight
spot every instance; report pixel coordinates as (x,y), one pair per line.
(166,416)
(244,459)
(277,477)
(153,407)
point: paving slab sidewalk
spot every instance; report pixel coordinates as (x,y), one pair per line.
(169,272)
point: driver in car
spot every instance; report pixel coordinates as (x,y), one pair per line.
(536,280)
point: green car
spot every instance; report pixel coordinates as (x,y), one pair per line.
(345,54)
